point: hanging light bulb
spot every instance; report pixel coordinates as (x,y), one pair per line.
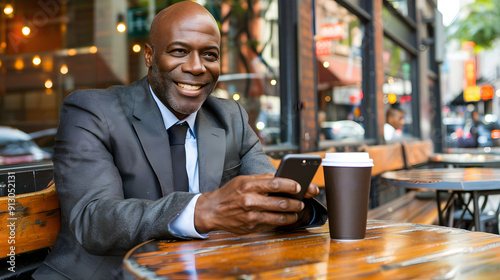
(121,27)
(8,10)
(48,83)
(136,48)
(26,30)
(64,69)
(37,60)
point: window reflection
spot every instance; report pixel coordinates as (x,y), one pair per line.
(338,38)
(400,5)
(250,62)
(397,87)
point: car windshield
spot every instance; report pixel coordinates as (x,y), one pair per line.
(11,148)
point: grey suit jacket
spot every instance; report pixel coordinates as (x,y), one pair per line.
(113,174)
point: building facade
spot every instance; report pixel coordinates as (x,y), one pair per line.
(312,74)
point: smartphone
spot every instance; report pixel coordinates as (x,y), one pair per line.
(300,168)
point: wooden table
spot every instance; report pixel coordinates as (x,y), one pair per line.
(458,182)
(391,250)
(466,159)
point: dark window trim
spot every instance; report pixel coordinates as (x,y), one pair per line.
(408,20)
(290,119)
(398,41)
(356,10)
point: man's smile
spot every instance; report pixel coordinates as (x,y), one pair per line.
(189,87)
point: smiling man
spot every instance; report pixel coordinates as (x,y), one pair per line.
(115,170)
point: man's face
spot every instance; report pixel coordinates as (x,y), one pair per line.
(184,62)
(397,119)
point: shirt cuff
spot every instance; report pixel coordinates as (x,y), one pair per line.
(183,224)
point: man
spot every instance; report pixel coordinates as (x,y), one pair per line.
(395,120)
(114,169)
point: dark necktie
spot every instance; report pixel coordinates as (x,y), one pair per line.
(177,138)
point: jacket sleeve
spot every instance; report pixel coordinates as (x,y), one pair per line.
(89,185)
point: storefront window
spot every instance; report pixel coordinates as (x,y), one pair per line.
(48,49)
(250,62)
(401,6)
(398,86)
(339,36)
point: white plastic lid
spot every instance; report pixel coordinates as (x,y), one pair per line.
(348,159)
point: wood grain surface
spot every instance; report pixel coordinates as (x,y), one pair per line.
(390,250)
(36,217)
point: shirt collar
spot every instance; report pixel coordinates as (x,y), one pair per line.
(170,119)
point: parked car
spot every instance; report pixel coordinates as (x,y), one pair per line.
(488,133)
(17,146)
(45,139)
(342,130)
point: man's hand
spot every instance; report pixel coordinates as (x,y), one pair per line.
(243,206)
(312,191)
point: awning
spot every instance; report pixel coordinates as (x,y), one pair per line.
(338,73)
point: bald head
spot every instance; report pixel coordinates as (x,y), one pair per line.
(180,11)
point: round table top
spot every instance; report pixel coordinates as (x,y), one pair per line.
(466,179)
(391,250)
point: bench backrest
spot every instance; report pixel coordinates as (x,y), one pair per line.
(417,153)
(36,218)
(385,157)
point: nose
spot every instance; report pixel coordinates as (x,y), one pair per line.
(194,64)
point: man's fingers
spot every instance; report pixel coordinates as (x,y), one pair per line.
(271,203)
(272,185)
(312,191)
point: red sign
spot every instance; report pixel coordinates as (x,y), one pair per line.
(487,92)
(323,47)
(470,73)
(332,31)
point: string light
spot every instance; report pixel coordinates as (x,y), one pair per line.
(19,64)
(64,69)
(26,31)
(37,60)
(121,27)
(48,83)
(8,10)
(136,48)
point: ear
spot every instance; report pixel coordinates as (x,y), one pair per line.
(148,55)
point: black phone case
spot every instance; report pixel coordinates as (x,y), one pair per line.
(300,168)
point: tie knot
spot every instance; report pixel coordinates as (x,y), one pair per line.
(177,134)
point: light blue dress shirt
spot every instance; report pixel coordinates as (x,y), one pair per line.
(183,224)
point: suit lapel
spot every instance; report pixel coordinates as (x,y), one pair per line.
(150,129)
(211,152)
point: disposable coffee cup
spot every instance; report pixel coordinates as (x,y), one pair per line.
(347,189)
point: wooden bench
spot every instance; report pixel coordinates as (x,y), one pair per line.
(417,153)
(36,217)
(385,157)
(407,208)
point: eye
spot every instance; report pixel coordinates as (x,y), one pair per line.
(211,56)
(178,52)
